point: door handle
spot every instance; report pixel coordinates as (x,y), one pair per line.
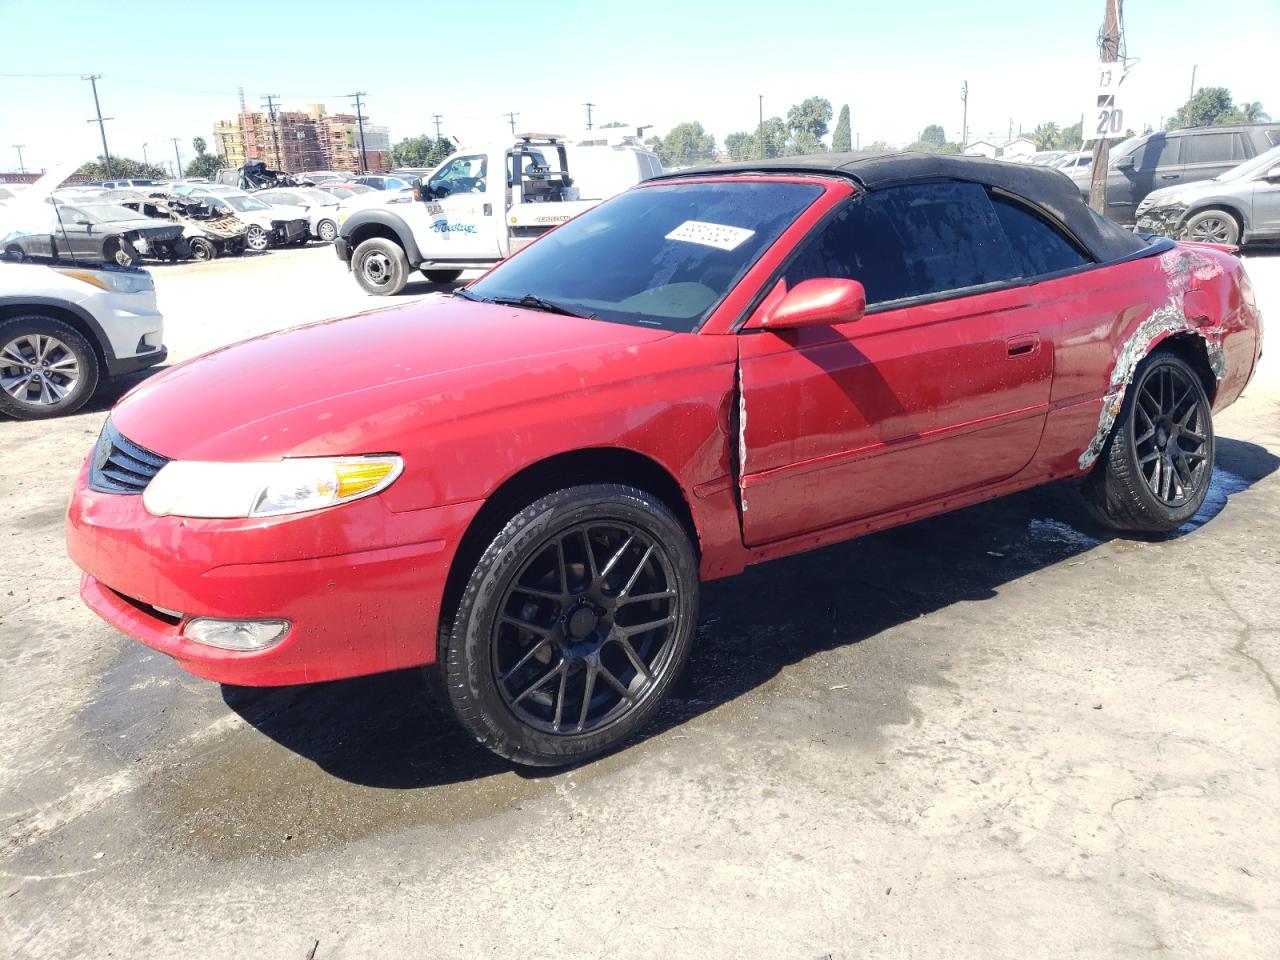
(1168,176)
(1022,346)
(488,209)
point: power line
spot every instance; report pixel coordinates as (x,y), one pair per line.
(360,125)
(101,121)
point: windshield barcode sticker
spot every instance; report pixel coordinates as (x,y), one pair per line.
(717,235)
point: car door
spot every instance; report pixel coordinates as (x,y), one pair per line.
(1156,163)
(1266,204)
(1207,153)
(942,387)
(465,211)
(78,234)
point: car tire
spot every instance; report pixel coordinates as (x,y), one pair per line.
(442,276)
(1212,226)
(327,231)
(553,655)
(47,367)
(1156,466)
(203,249)
(14,253)
(380,266)
(256,239)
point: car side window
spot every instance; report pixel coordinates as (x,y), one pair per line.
(1159,151)
(910,241)
(1038,247)
(1213,148)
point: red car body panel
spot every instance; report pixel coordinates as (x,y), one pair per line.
(778,441)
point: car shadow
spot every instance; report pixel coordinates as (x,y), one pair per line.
(387,731)
(110,391)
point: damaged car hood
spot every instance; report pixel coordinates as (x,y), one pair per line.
(354,385)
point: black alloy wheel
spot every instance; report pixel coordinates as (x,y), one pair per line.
(1170,438)
(572,625)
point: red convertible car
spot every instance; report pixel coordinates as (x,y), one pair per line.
(713,369)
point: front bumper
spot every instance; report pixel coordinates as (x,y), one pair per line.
(360,584)
(343,251)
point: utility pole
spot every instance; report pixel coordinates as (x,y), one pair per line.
(1109,45)
(360,126)
(145,162)
(101,121)
(588,106)
(964,123)
(512,117)
(760,129)
(18,147)
(436,117)
(1191,94)
(176,155)
(270,100)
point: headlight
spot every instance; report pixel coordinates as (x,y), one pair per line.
(188,488)
(119,281)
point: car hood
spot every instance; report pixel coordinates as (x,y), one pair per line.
(1188,193)
(358,384)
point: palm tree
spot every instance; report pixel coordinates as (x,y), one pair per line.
(1046,136)
(1253,112)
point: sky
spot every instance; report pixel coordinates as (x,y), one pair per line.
(171,69)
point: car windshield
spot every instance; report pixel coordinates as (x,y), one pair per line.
(661,256)
(246,203)
(1250,167)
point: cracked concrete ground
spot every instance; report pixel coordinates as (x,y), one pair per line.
(998,733)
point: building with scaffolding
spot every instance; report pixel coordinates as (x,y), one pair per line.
(300,140)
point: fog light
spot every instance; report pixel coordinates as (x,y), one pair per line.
(243,635)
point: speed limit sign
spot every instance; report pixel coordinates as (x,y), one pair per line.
(1104,112)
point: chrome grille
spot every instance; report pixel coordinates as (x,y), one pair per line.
(118,465)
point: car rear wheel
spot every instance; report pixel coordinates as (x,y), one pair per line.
(1213,226)
(380,266)
(442,276)
(202,248)
(47,368)
(1154,471)
(572,626)
(256,238)
(327,231)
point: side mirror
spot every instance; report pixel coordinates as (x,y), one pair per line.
(80,221)
(822,302)
(1126,163)
(1273,175)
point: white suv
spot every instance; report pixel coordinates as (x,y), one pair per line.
(64,328)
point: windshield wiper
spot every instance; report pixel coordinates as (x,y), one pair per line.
(466,294)
(542,303)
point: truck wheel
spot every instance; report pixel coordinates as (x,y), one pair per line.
(380,266)
(572,626)
(47,368)
(203,249)
(1213,226)
(442,276)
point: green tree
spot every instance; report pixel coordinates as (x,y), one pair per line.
(1209,105)
(802,143)
(842,139)
(1046,136)
(421,151)
(1248,113)
(934,134)
(204,165)
(921,146)
(812,115)
(742,146)
(1070,138)
(121,167)
(687,143)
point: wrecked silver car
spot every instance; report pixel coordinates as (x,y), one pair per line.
(1240,206)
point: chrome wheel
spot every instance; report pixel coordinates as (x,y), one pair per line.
(38,370)
(256,238)
(1171,435)
(585,629)
(1213,229)
(327,231)
(377,269)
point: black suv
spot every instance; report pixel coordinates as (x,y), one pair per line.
(1142,164)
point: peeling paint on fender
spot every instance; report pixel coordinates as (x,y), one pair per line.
(742,441)
(1185,270)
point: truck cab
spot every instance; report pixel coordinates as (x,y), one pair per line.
(480,206)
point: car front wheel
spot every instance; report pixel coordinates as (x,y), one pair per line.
(1213,226)
(256,238)
(327,231)
(47,368)
(572,625)
(380,266)
(1155,468)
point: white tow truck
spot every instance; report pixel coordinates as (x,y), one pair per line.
(480,206)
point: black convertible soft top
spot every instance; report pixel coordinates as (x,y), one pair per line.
(1048,189)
